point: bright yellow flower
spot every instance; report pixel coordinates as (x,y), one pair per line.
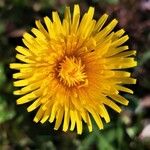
(73,68)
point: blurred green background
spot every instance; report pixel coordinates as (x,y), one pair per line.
(129,130)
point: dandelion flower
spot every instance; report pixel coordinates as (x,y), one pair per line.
(71,70)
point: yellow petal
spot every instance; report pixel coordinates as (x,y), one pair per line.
(38,33)
(120,41)
(72,117)
(55,108)
(24,58)
(41,28)
(23,50)
(112,105)
(104,113)
(87,18)
(115,50)
(59,118)
(28,97)
(126,54)
(34,105)
(118,34)
(78,122)
(119,99)
(21,83)
(66,119)
(76,19)
(103,33)
(100,23)
(50,27)
(96,117)
(38,115)
(125,80)
(21,75)
(46,114)
(124,89)
(68,17)
(18,66)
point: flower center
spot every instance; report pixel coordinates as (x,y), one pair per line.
(71,72)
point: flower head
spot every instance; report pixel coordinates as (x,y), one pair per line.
(73,69)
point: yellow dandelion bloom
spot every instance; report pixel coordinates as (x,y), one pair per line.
(72,69)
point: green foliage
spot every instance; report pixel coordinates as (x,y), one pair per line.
(2,28)
(20,3)
(144,58)
(2,75)
(6,113)
(107,1)
(112,1)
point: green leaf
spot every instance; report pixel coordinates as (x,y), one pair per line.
(87,142)
(6,113)
(2,27)
(113,1)
(20,2)
(145,57)
(2,75)
(107,1)
(104,144)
